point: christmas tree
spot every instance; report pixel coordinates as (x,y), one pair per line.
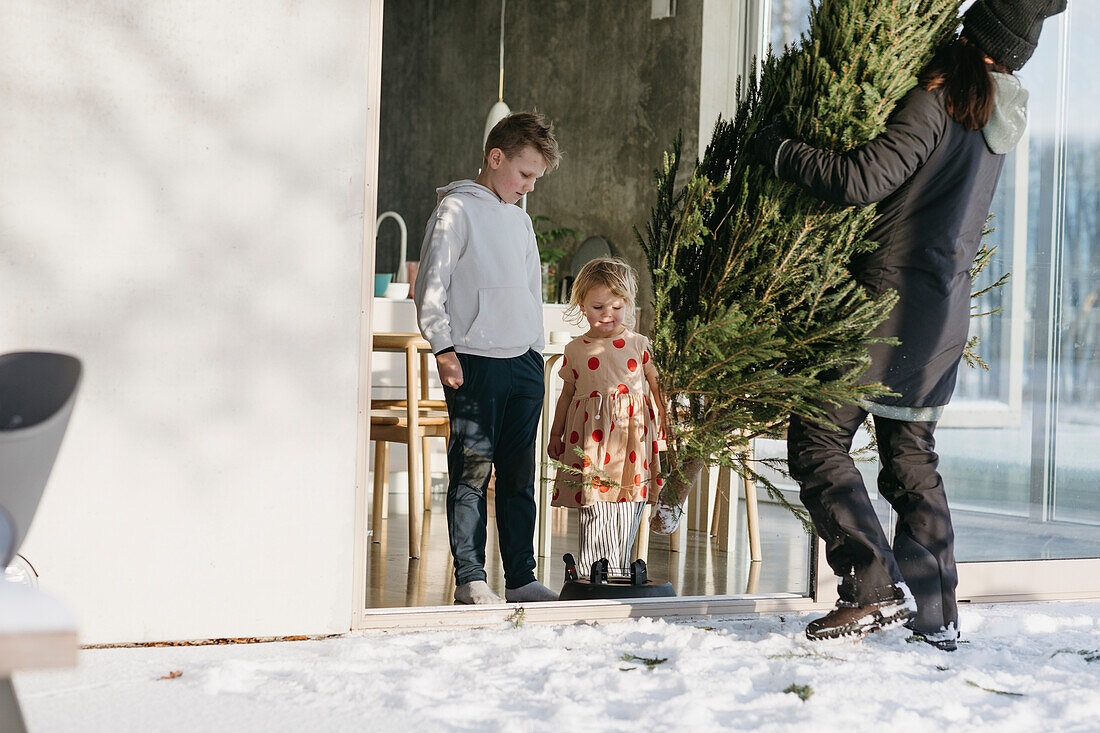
(756,316)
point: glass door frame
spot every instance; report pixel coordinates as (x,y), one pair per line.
(978,582)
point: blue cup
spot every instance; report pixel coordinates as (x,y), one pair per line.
(380,283)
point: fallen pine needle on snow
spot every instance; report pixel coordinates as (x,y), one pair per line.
(803,691)
(1089,655)
(649,662)
(518,617)
(806,654)
(972,683)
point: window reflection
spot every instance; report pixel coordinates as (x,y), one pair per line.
(789,20)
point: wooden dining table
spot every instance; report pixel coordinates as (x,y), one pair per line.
(417,369)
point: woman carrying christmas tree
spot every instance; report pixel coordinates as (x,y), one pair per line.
(932,174)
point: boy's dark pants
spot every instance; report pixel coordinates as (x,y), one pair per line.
(494,417)
(855,544)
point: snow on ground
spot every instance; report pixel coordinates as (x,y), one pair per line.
(27,609)
(1025,667)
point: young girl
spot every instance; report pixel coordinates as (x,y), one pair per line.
(605,426)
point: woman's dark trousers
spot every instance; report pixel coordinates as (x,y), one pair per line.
(855,545)
(494,417)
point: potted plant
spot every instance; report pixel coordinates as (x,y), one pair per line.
(550,243)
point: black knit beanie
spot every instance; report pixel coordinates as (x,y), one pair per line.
(1008,30)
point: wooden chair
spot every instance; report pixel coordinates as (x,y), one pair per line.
(410,421)
(711,510)
(724,522)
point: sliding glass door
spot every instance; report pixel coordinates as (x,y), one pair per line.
(1020,442)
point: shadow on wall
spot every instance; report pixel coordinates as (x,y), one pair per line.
(182,204)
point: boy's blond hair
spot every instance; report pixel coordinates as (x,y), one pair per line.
(615,275)
(516,131)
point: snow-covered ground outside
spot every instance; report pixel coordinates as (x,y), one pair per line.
(1024,667)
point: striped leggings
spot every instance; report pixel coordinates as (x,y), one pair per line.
(608,530)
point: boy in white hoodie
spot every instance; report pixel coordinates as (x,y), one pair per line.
(479,304)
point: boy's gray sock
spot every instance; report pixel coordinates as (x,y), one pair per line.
(530,593)
(476,592)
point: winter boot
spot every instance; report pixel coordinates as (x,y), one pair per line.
(946,640)
(850,620)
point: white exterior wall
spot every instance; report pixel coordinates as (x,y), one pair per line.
(181,190)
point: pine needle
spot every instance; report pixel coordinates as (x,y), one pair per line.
(803,691)
(517,618)
(995,692)
(811,654)
(649,662)
(1089,655)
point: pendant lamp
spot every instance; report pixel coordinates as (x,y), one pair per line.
(499,110)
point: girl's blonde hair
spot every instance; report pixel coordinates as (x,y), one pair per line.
(615,275)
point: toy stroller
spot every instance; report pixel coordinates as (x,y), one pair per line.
(601,583)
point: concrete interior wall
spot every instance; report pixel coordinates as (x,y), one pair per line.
(618,86)
(181,207)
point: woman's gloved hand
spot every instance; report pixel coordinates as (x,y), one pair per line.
(765,144)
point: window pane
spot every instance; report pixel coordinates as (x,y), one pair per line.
(1027,486)
(789,20)
(1077,477)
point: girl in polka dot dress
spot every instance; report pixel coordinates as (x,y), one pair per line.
(606,427)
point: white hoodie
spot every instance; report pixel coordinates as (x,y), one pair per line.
(479,286)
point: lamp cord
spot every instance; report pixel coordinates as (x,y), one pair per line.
(501,91)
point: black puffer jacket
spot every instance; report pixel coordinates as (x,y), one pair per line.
(933,181)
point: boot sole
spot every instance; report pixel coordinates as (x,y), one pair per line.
(944,645)
(881,618)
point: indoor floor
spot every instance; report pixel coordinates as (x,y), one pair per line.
(394,580)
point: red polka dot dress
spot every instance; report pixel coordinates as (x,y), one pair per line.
(611,424)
